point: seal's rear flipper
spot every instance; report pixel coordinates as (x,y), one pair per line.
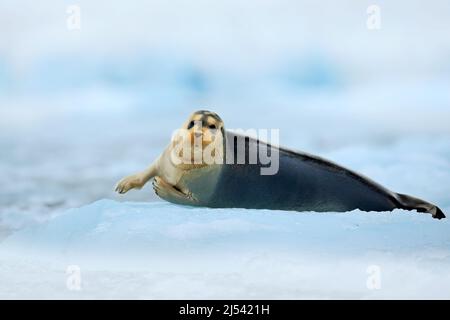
(411,203)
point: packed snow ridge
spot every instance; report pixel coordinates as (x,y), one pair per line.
(160,250)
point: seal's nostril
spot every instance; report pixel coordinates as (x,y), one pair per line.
(198,134)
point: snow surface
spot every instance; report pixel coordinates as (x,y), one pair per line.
(160,250)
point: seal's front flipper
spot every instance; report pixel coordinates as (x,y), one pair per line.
(134,181)
(411,203)
(137,180)
(171,193)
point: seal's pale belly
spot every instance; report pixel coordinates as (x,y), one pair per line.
(202,183)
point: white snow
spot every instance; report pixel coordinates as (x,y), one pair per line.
(160,250)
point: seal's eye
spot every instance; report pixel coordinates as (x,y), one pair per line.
(212,126)
(190,125)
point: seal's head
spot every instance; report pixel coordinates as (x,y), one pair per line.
(204,126)
(201,139)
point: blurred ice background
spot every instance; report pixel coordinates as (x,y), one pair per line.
(79,109)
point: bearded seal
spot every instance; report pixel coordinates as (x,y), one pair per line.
(302,182)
